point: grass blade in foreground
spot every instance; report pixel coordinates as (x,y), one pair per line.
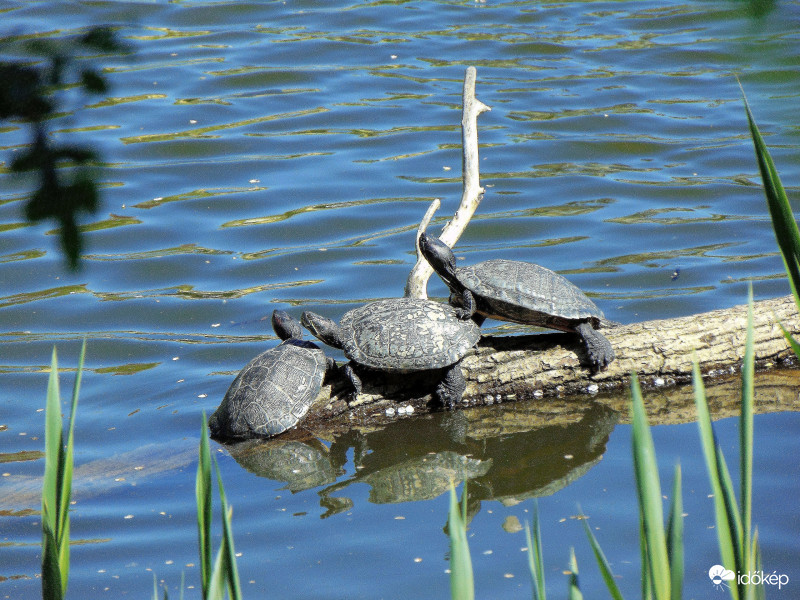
(222,574)
(675,537)
(786,231)
(535,562)
(726,529)
(574,590)
(746,431)
(57,485)
(203,497)
(602,562)
(648,489)
(462,586)
(231,573)
(738,548)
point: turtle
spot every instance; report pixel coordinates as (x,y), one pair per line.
(401,335)
(521,292)
(274,390)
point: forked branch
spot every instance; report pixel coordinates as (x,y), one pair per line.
(416,284)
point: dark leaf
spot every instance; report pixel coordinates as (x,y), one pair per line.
(102,38)
(93,82)
(21,93)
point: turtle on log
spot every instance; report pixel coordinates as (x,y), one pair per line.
(401,335)
(274,390)
(521,292)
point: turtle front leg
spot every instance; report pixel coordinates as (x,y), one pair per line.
(330,367)
(451,388)
(354,379)
(465,305)
(599,349)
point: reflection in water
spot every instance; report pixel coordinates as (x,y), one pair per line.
(423,478)
(509,453)
(301,464)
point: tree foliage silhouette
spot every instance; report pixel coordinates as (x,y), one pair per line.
(30,93)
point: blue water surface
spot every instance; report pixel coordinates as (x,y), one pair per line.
(281,154)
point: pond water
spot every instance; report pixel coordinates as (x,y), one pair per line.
(280,155)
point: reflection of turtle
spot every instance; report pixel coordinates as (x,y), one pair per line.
(275,390)
(301,465)
(402,335)
(423,478)
(520,292)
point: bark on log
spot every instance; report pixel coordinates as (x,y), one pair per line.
(539,367)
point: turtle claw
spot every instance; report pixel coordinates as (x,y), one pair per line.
(463,314)
(599,349)
(464,303)
(451,388)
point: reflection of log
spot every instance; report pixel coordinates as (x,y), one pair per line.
(508,453)
(543,366)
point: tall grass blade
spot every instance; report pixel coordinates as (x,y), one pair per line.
(535,562)
(647,578)
(462,586)
(648,489)
(786,231)
(793,344)
(57,484)
(217,577)
(66,469)
(755,592)
(732,509)
(52,444)
(573,588)
(602,562)
(52,585)
(746,429)
(203,498)
(725,526)
(675,537)
(229,555)
(51,573)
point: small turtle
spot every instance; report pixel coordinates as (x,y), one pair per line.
(521,292)
(401,335)
(275,390)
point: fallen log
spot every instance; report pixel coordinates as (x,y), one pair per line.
(540,367)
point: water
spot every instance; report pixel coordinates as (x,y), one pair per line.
(280,155)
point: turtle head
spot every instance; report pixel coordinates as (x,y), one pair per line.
(440,257)
(322,328)
(284,326)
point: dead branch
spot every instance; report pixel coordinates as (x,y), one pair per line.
(416,284)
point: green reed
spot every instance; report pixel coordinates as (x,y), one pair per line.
(462,586)
(535,562)
(783,223)
(222,574)
(218,577)
(737,542)
(57,484)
